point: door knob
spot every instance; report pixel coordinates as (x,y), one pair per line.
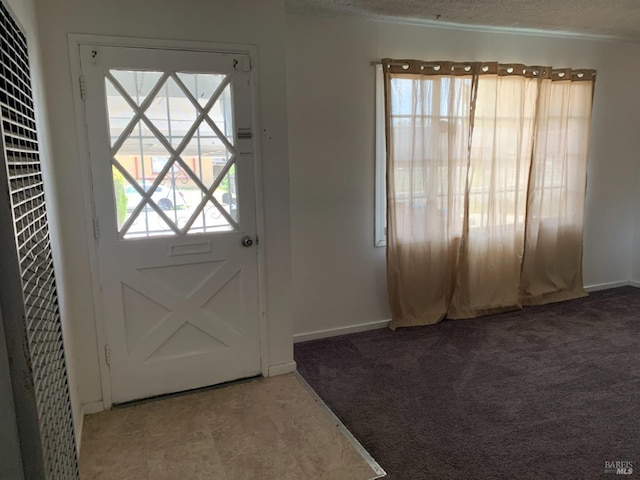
(247,241)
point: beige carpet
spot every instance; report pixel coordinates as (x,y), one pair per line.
(262,429)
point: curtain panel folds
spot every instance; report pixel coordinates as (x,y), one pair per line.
(486,180)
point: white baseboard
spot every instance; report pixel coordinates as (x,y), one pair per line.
(333,332)
(605,286)
(86,409)
(282,369)
(363,327)
(92,407)
(78,433)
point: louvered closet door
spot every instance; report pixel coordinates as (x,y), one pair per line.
(27,281)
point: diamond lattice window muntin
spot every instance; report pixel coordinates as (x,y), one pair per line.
(171,85)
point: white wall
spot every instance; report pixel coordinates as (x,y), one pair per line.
(635,260)
(339,276)
(635,207)
(256,22)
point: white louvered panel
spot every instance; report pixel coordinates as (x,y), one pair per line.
(42,319)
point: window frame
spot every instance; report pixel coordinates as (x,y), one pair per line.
(380,229)
(380,194)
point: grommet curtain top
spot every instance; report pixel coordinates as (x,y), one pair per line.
(419,67)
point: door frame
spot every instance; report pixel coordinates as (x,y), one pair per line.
(74,42)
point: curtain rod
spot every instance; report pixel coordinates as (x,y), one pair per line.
(427,64)
(433,64)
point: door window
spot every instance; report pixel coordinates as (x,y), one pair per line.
(172,152)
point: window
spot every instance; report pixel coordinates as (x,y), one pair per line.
(402,117)
(173,152)
(486,173)
(493,121)
(381,167)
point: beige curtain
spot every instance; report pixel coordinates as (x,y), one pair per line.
(486,170)
(552,268)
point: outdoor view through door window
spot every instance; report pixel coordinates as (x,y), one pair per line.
(173,154)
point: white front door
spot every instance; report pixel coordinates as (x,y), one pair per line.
(171,148)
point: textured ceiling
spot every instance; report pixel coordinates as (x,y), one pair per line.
(617,18)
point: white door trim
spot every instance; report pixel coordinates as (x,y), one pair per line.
(74,42)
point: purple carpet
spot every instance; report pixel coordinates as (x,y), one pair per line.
(550,392)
